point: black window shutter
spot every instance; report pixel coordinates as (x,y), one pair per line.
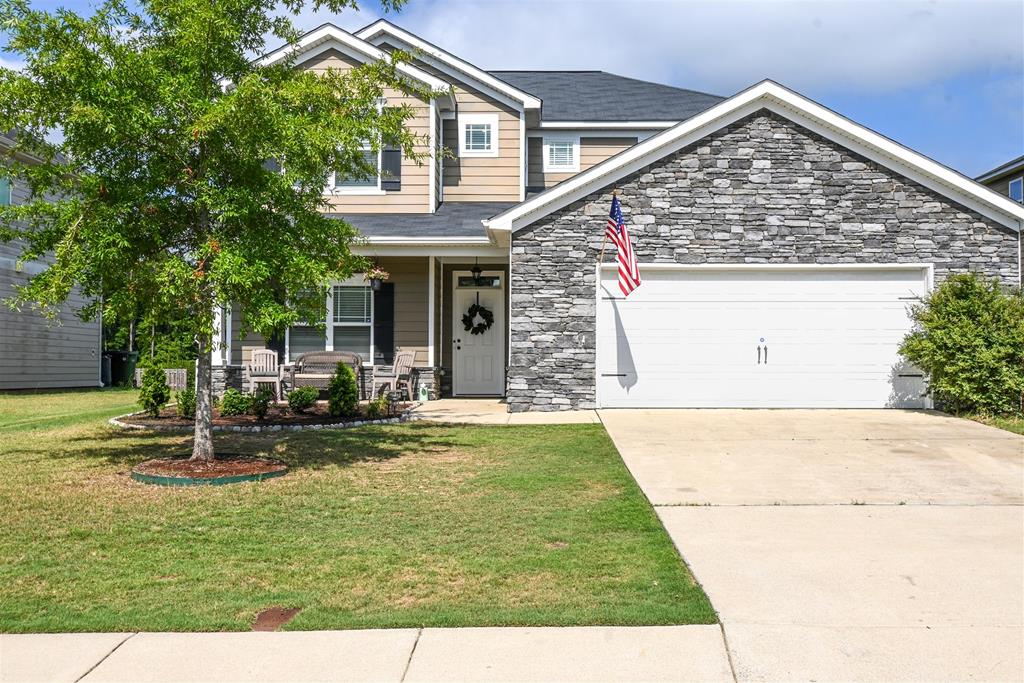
(384,324)
(391,169)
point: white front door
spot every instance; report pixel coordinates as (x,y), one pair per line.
(812,337)
(478,360)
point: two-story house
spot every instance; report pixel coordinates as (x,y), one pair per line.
(37,352)
(779,243)
(1006,179)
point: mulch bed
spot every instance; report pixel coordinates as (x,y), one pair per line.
(222,466)
(277,415)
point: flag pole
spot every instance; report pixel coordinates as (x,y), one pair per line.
(604,242)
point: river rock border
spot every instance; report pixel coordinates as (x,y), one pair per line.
(405,416)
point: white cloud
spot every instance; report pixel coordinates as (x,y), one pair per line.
(867,47)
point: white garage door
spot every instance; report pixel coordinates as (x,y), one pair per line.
(815,337)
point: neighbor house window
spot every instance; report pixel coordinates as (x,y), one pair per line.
(352,320)
(478,135)
(349,324)
(1017,189)
(561,154)
(5,192)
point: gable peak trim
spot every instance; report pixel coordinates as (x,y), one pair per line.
(791,105)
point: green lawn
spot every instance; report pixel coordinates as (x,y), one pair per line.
(408,525)
(1010,423)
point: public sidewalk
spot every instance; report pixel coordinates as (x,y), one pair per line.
(644,653)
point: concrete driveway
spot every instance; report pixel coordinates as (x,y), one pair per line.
(844,545)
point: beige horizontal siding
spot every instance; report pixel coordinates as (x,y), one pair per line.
(593,150)
(482,178)
(410,278)
(414,197)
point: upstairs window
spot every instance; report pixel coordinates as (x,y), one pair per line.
(356,183)
(1017,189)
(5,192)
(561,154)
(478,135)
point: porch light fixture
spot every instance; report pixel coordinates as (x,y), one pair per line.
(476,271)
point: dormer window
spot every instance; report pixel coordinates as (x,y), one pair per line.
(561,154)
(478,135)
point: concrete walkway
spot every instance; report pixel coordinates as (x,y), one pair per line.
(493,411)
(844,545)
(666,653)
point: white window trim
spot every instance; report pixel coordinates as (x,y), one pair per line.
(355,281)
(489,119)
(1009,188)
(574,167)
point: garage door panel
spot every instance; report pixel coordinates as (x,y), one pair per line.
(827,338)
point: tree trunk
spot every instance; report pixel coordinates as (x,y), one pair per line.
(202,442)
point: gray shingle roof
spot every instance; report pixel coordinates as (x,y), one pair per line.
(452,219)
(601,96)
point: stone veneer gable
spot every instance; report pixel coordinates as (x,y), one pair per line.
(762,190)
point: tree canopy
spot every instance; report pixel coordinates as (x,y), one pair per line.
(169,168)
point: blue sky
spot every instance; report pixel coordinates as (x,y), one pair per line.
(943,77)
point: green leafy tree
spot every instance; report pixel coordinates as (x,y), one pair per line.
(177,174)
(969,338)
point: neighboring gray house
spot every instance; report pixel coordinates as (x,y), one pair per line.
(36,353)
(780,244)
(1006,179)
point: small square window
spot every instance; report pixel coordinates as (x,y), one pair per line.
(478,135)
(561,154)
(1017,189)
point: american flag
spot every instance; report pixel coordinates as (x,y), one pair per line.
(629,273)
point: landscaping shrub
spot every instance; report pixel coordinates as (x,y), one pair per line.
(343,392)
(302,399)
(186,406)
(259,404)
(378,407)
(234,402)
(969,339)
(154,393)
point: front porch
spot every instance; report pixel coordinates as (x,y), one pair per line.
(419,310)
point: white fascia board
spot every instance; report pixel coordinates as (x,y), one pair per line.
(413,248)
(382,27)
(427,241)
(607,125)
(790,105)
(328,36)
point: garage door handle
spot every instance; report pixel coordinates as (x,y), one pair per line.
(766,354)
(758,354)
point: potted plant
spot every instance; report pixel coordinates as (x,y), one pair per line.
(376,275)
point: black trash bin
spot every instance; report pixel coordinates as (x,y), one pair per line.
(122,367)
(105,369)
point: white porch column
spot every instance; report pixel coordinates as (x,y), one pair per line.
(217,348)
(430,311)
